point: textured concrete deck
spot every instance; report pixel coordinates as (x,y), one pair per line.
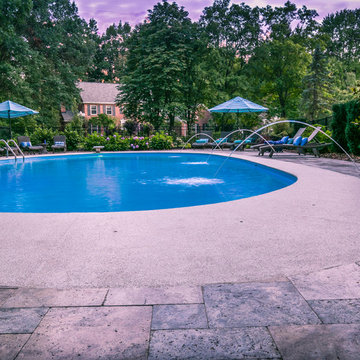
(308,226)
(308,316)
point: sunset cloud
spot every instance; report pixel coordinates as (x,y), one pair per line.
(107,12)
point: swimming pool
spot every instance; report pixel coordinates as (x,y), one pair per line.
(130,182)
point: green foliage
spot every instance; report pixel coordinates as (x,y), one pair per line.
(77,124)
(73,139)
(116,142)
(102,120)
(146,128)
(130,126)
(45,47)
(316,95)
(94,140)
(352,130)
(161,141)
(42,135)
(280,130)
(338,125)
(276,70)
(319,136)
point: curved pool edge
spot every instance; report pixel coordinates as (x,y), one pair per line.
(308,226)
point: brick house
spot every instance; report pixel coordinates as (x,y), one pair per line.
(99,98)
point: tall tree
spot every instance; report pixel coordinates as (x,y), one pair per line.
(343,32)
(110,56)
(316,98)
(158,56)
(276,71)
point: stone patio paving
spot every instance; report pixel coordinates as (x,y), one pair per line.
(311,316)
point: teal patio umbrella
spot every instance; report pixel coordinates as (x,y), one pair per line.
(9,110)
(238,105)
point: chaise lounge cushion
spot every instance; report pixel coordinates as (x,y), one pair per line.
(202,141)
(297,141)
(304,141)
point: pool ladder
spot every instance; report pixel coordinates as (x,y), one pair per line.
(8,147)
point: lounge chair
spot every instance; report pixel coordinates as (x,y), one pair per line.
(299,144)
(284,140)
(25,143)
(203,141)
(243,143)
(59,143)
(224,141)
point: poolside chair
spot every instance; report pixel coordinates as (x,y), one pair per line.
(203,141)
(242,143)
(224,140)
(299,144)
(285,139)
(59,143)
(25,143)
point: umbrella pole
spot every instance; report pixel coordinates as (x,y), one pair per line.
(9,124)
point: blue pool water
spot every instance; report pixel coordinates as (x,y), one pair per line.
(130,182)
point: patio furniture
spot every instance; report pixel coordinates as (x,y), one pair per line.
(224,141)
(243,143)
(98,148)
(299,144)
(288,140)
(59,143)
(203,141)
(25,143)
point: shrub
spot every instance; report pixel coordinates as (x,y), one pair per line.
(338,125)
(352,130)
(42,134)
(116,143)
(139,143)
(93,140)
(130,126)
(73,139)
(146,128)
(161,141)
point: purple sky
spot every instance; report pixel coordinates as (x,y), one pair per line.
(107,12)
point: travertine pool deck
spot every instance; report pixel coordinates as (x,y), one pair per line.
(309,316)
(275,276)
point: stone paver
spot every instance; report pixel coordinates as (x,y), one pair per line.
(56,297)
(337,311)
(91,333)
(342,282)
(20,321)
(153,296)
(206,344)
(314,342)
(5,294)
(190,316)
(256,304)
(10,345)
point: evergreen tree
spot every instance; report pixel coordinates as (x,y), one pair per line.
(316,95)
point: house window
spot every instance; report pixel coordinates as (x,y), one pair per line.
(93,110)
(108,110)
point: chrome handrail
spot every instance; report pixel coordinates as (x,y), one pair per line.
(8,148)
(17,147)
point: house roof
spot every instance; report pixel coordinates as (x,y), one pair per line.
(67,115)
(98,93)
